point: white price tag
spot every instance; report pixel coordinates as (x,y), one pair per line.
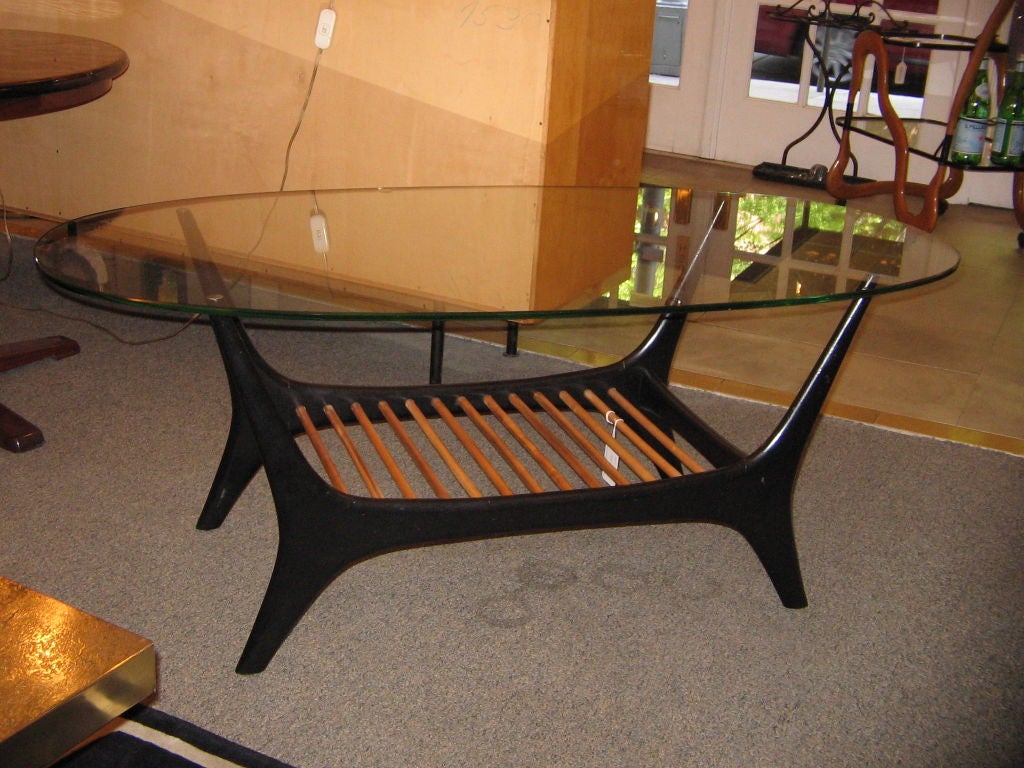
(900,76)
(609,452)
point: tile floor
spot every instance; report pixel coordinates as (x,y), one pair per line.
(946,360)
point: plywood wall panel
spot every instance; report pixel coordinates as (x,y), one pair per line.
(423,93)
(410,93)
(384,139)
(599,91)
(597,120)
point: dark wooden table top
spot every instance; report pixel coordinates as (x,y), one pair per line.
(44,72)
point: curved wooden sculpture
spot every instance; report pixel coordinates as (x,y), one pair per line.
(947,178)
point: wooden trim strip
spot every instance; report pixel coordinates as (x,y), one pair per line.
(495,439)
(442,450)
(535,453)
(382,450)
(659,460)
(470,445)
(687,460)
(353,452)
(413,451)
(552,439)
(602,434)
(581,440)
(321,449)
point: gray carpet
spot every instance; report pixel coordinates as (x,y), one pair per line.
(657,646)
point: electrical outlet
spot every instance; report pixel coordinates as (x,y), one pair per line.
(325,28)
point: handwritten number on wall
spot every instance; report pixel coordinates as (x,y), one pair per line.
(479,13)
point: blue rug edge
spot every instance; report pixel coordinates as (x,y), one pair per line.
(201,738)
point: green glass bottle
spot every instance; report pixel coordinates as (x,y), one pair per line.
(1008,141)
(969,137)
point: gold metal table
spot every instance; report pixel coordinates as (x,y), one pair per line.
(64,674)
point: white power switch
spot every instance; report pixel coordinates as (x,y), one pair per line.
(318,227)
(325,28)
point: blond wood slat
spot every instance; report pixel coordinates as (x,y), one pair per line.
(602,434)
(353,452)
(687,460)
(495,439)
(581,440)
(535,453)
(382,450)
(442,450)
(470,445)
(321,449)
(552,439)
(414,453)
(659,460)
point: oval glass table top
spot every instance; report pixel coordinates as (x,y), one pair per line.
(514,252)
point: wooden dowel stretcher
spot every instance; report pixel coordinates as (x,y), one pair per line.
(414,453)
(602,434)
(382,450)
(610,416)
(623,448)
(531,448)
(346,440)
(581,440)
(685,458)
(522,472)
(321,449)
(471,447)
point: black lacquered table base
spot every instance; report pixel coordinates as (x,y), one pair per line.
(324,531)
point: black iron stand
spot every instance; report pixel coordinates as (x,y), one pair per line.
(860,19)
(323,531)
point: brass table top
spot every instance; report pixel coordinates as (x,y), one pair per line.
(64,674)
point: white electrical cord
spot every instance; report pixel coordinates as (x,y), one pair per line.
(104,329)
(302,114)
(8,238)
(287,158)
(9,266)
(309,93)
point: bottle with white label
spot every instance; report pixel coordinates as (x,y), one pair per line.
(969,137)
(1008,141)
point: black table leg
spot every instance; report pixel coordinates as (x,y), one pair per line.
(511,339)
(436,351)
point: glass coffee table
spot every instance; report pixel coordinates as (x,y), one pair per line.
(357,471)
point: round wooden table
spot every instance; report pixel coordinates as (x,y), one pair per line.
(43,72)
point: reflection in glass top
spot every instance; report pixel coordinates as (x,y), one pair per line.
(510,252)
